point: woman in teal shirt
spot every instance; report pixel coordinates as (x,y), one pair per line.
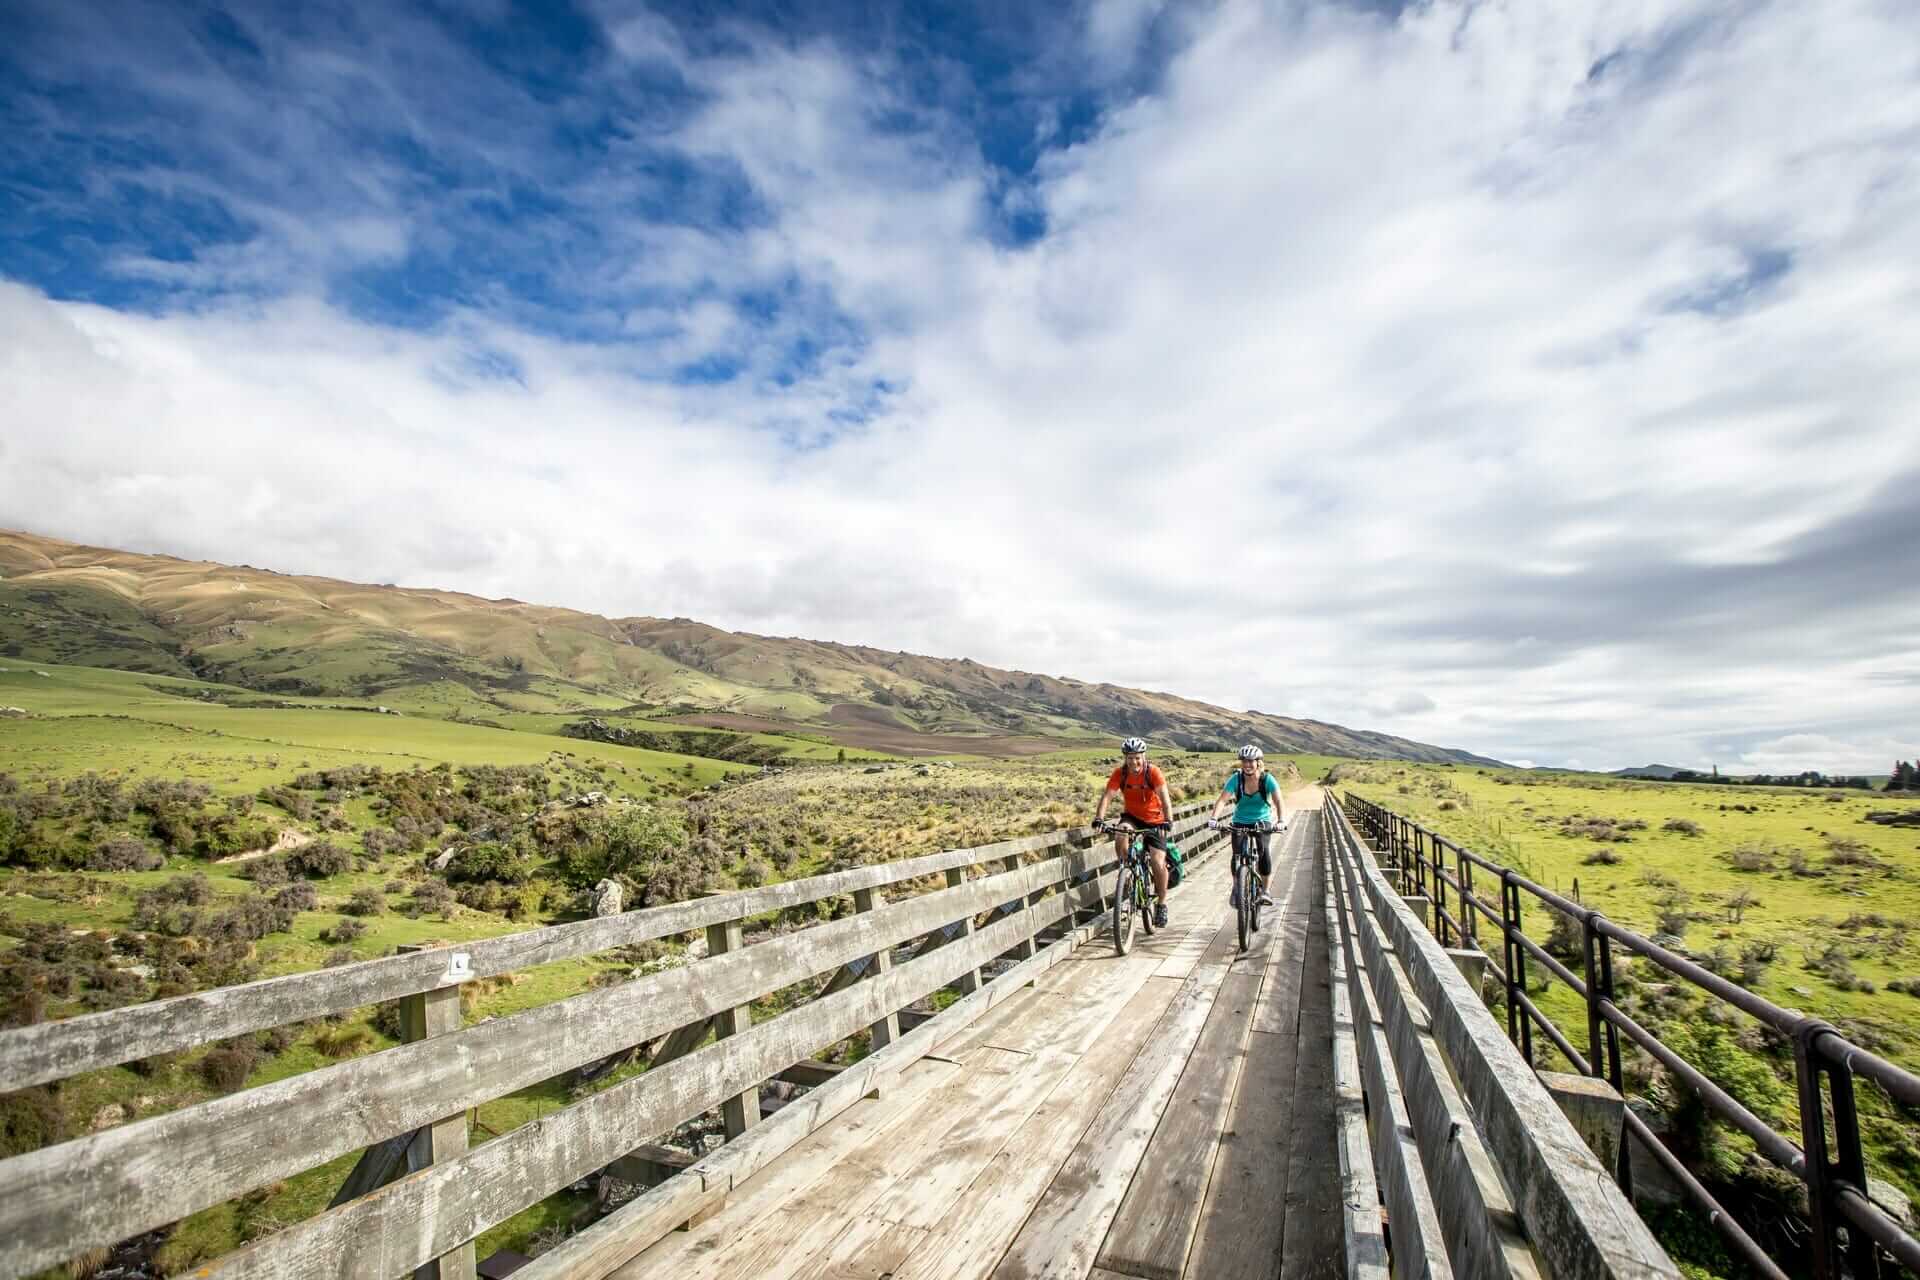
(1255,795)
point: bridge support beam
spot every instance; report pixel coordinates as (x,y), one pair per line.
(1597,1113)
(1421,906)
(1472,964)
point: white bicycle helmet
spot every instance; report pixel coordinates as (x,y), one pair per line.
(1251,752)
(1133,746)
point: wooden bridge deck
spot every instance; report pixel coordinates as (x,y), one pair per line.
(1158,1115)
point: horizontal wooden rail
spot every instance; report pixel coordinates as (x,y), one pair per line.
(56,1050)
(106,1187)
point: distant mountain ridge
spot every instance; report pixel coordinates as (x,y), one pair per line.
(448,653)
(1664,772)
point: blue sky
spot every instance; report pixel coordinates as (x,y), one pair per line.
(1536,382)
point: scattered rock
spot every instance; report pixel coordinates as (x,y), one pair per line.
(1893,1200)
(590,800)
(609,899)
(13,713)
(107,1117)
(47,674)
(1800,991)
(442,860)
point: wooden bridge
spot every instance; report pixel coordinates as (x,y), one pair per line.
(1335,1100)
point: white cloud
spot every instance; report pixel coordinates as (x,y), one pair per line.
(1350,381)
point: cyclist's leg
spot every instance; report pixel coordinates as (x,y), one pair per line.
(1266,867)
(1159,857)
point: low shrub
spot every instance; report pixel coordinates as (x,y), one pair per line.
(343,930)
(29,1120)
(297,897)
(365,902)
(319,860)
(227,1067)
(1602,857)
(342,1042)
(1681,826)
(123,853)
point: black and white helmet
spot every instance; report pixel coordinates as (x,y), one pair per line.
(1133,746)
(1251,752)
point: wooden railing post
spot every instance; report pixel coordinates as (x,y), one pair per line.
(742,1109)
(422,1016)
(1022,950)
(887,1030)
(968,982)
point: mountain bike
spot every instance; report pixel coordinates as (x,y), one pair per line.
(1132,888)
(1246,891)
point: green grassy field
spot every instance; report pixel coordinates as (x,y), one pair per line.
(1790,892)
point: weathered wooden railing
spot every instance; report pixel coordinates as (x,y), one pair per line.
(406,1106)
(1851,1235)
(1481,1173)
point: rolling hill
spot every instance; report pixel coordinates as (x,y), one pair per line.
(444,653)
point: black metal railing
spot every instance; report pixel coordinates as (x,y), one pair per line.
(1851,1237)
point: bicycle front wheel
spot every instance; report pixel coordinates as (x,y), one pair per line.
(1123,911)
(1243,880)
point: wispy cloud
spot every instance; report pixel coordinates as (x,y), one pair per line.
(1539,382)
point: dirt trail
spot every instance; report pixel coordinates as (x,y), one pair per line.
(289,839)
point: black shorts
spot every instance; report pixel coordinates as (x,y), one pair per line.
(1156,837)
(1262,839)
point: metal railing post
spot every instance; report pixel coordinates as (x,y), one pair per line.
(1813,1143)
(1623,1172)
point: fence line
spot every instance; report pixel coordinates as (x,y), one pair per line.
(100,1189)
(1845,1223)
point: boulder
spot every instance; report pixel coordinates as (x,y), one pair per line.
(442,860)
(1892,1200)
(609,899)
(13,713)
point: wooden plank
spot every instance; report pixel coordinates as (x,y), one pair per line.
(811,1072)
(1359,1189)
(1314,1231)
(782,1242)
(1242,1223)
(421,1216)
(1154,1228)
(650,1165)
(869,1249)
(1051,1042)
(1419,1243)
(102,1188)
(682,1041)
(1064,1232)
(762,1193)
(985,1218)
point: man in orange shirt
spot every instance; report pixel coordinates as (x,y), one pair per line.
(1147,808)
